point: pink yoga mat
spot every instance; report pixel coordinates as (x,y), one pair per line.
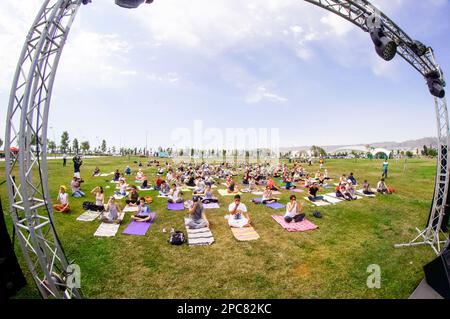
(305,225)
(139,228)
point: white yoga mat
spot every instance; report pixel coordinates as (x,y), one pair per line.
(224,192)
(88,216)
(131,209)
(318,203)
(107,230)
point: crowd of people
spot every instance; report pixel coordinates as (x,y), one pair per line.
(201,179)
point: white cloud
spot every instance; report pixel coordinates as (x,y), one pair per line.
(260,93)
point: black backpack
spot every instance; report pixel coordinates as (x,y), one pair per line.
(317,214)
(176,238)
(91,206)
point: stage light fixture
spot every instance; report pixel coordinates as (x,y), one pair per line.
(386,48)
(418,48)
(131,4)
(435,84)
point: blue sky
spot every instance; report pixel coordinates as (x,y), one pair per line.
(282,64)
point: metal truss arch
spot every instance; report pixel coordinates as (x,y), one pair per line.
(27,121)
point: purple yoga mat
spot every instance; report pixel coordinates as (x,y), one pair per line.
(139,228)
(275,205)
(175,206)
(257,200)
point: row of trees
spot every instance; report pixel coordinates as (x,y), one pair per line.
(74,146)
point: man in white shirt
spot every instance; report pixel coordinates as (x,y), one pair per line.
(238,214)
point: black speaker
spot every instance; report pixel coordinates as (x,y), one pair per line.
(11,276)
(437,274)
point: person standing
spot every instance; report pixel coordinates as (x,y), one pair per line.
(64,159)
(385,169)
(77,162)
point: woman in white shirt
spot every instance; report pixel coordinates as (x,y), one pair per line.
(239,217)
(122,188)
(294,211)
(63,200)
(174,195)
(99,198)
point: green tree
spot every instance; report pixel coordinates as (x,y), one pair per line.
(51,146)
(85,146)
(75,145)
(409,154)
(103,147)
(1,143)
(64,141)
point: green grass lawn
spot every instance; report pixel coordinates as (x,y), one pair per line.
(329,262)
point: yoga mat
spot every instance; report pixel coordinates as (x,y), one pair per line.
(360,192)
(295,190)
(257,200)
(332,200)
(318,203)
(275,205)
(119,197)
(302,226)
(224,192)
(131,209)
(211,206)
(200,236)
(107,230)
(88,216)
(244,233)
(175,206)
(139,228)
(257,193)
(276,193)
(186,190)
(144,189)
(161,196)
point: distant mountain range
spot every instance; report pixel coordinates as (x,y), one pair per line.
(403,146)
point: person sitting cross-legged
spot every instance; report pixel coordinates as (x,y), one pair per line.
(312,193)
(382,187)
(267,197)
(63,199)
(76,187)
(208,196)
(143,214)
(174,195)
(111,214)
(197,218)
(164,189)
(133,197)
(239,216)
(294,211)
(366,188)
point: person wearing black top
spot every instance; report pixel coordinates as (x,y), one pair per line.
(312,195)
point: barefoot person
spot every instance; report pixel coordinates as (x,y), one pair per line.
(238,214)
(143,214)
(112,212)
(63,200)
(294,211)
(197,218)
(267,197)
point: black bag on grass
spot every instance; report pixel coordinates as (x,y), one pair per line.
(177,238)
(91,206)
(317,214)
